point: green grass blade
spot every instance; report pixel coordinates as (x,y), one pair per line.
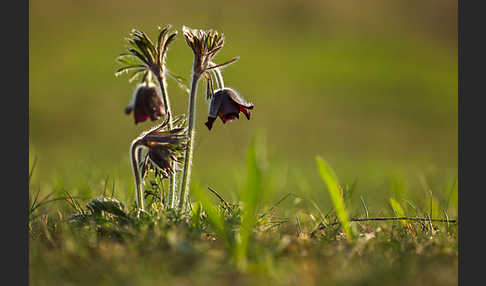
(329,178)
(215,219)
(32,169)
(397,208)
(196,214)
(398,187)
(250,199)
(364,205)
(453,198)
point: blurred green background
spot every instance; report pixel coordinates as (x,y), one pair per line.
(371,86)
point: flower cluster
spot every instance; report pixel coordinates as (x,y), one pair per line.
(169,143)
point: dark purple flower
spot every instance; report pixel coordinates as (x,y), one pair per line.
(227,104)
(146,103)
(161,157)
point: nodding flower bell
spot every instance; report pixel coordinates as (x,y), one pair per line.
(146,102)
(227,104)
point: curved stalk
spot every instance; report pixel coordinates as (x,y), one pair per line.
(219,77)
(186,175)
(136,174)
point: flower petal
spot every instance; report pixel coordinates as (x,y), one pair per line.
(160,157)
(210,122)
(238,99)
(148,103)
(228,106)
(245,111)
(139,117)
(215,104)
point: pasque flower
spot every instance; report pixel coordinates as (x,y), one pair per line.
(146,103)
(146,58)
(163,146)
(227,104)
(205,44)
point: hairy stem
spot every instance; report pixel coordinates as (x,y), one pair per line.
(168,113)
(186,175)
(136,174)
(165,98)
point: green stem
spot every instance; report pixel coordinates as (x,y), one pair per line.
(186,175)
(136,174)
